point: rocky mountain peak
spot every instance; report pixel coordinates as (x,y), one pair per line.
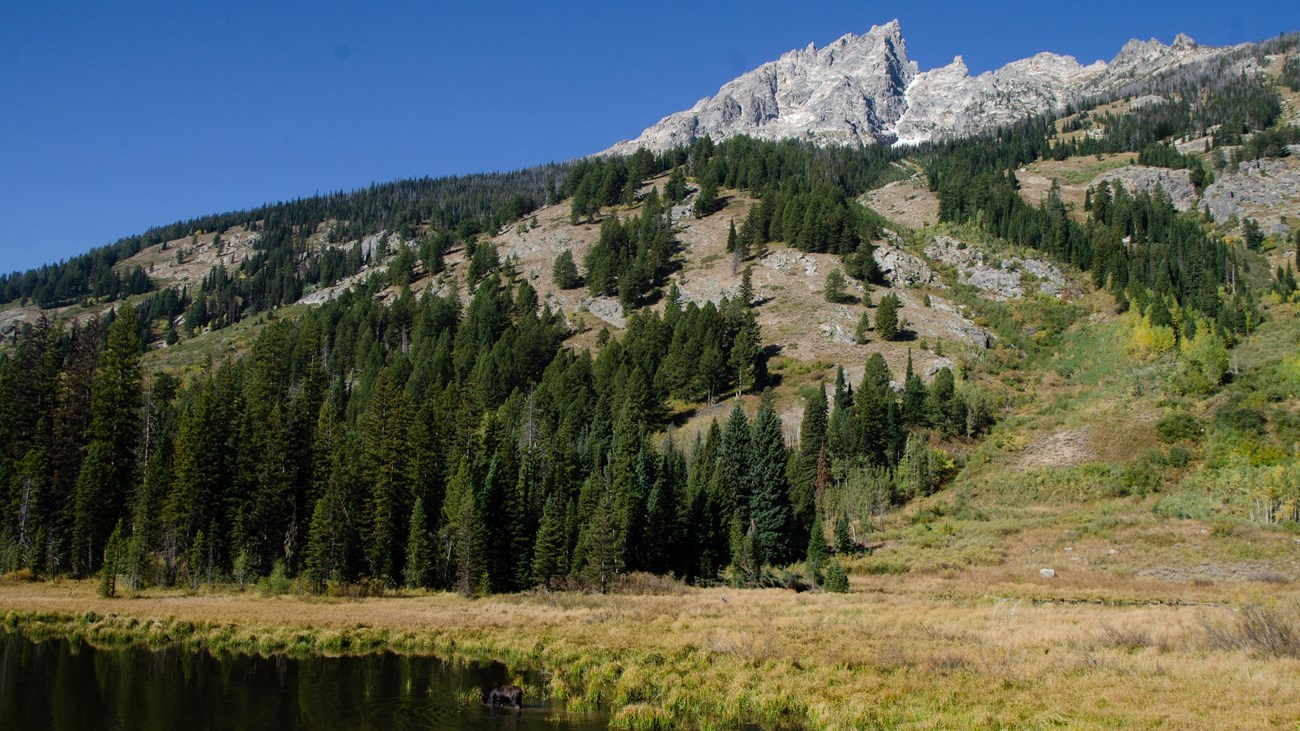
(863,89)
(849,92)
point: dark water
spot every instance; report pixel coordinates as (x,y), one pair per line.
(56,685)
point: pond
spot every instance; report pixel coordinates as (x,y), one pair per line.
(55,684)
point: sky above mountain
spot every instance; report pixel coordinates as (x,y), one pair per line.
(120,116)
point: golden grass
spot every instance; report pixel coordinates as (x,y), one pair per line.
(978,649)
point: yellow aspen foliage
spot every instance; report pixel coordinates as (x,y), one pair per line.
(1149,341)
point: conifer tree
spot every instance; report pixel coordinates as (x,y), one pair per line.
(108,475)
(202,465)
(549,554)
(887,317)
(385,429)
(876,411)
(419,549)
(327,540)
(834,289)
(864,326)
(675,189)
(746,294)
(837,580)
(663,531)
(914,398)
(112,565)
(733,466)
(565,271)
(770,491)
(706,200)
(744,353)
(739,251)
(603,553)
(817,549)
(812,431)
(941,403)
(843,536)
(711,375)
(462,531)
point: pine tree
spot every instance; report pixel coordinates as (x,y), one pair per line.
(462,531)
(112,565)
(706,200)
(327,540)
(746,294)
(770,490)
(887,317)
(675,189)
(565,271)
(385,429)
(739,255)
(914,398)
(108,475)
(603,554)
(812,431)
(834,290)
(941,403)
(837,581)
(876,411)
(419,549)
(744,353)
(817,549)
(733,466)
(711,375)
(731,237)
(663,533)
(843,537)
(549,554)
(864,326)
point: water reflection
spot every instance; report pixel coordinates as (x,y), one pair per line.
(57,685)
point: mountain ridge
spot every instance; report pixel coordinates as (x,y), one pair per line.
(863,90)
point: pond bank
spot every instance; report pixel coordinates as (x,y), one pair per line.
(896,653)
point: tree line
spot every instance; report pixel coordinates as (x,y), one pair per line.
(434,443)
(404,207)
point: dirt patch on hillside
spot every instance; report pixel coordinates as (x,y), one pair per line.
(908,202)
(1074,175)
(1059,449)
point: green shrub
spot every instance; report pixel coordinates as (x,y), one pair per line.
(1177,426)
(880,566)
(1243,419)
(1187,506)
(278,582)
(837,581)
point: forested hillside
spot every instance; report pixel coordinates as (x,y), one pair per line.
(435,426)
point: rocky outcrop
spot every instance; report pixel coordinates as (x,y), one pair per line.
(1176,183)
(998,278)
(901,268)
(863,90)
(1261,189)
(850,92)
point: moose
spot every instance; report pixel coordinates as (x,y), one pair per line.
(506,695)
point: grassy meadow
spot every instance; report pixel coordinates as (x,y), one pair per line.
(948,625)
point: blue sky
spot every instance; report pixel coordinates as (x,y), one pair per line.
(119,116)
